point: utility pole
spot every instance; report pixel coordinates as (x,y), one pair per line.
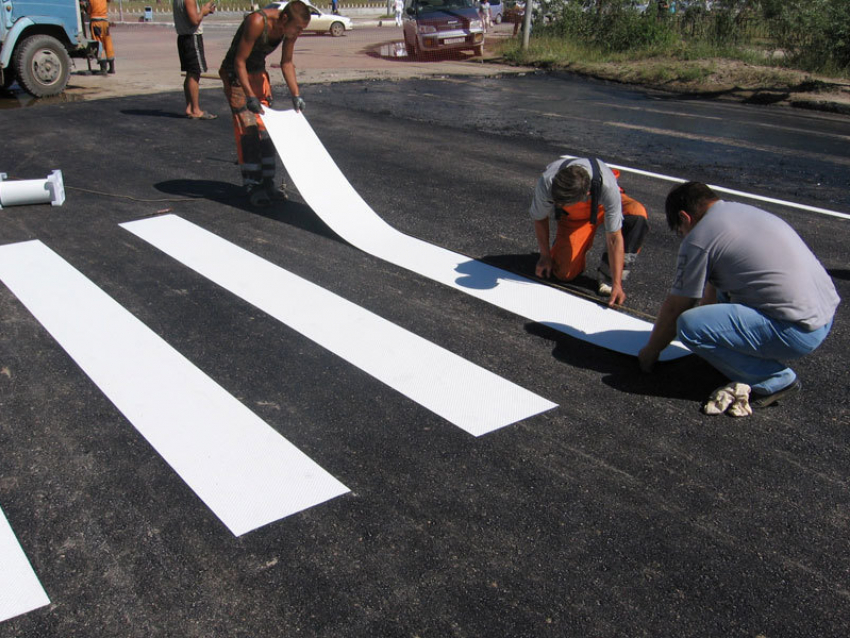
(526,23)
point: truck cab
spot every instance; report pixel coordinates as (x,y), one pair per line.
(37,40)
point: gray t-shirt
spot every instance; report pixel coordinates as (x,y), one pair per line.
(757,260)
(542,205)
(181,18)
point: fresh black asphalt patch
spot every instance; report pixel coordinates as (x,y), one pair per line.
(623,512)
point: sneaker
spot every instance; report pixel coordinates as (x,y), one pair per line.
(604,289)
(758,401)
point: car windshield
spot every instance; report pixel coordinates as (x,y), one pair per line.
(432,6)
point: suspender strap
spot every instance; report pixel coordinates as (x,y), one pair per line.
(595,189)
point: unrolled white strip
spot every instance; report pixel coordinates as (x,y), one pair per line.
(246,472)
(459,391)
(729,191)
(20,589)
(332,198)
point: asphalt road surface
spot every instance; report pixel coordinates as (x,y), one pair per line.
(622,512)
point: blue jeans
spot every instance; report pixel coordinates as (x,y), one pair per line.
(746,345)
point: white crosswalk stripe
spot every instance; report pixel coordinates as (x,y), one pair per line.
(461,392)
(20,589)
(246,473)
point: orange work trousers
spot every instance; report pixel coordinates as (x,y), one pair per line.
(100,32)
(575,234)
(254,148)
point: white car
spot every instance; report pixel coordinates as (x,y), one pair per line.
(321,22)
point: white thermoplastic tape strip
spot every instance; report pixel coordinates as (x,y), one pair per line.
(20,590)
(459,391)
(723,189)
(246,472)
(332,198)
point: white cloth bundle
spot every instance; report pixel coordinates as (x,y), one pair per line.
(733,399)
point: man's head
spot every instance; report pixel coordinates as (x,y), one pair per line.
(686,204)
(570,185)
(296,17)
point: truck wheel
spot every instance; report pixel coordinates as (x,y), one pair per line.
(337,29)
(42,66)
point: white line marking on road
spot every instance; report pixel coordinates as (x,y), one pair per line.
(459,391)
(699,116)
(729,191)
(20,589)
(332,198)
(246,473)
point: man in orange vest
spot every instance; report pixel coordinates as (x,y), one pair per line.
(99,23)
(582,194)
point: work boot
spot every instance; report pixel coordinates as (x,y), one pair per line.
(112,66)
(257,196)
(103,65)
(275,193)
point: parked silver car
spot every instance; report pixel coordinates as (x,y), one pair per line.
(442,25)
(321,22)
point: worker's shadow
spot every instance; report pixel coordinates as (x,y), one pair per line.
(839,273)
(155,113)
(688,378)
(685,378)
(289,212)
(479,273)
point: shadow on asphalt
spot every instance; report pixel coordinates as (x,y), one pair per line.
(154,113)
(293,213)
(523,265)
(689,378)
(839,273)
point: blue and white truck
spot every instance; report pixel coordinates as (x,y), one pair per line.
(37,40)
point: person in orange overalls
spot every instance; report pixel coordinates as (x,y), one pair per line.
(99,24)
(565,192)
(248,90)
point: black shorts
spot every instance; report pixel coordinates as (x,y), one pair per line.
(191,50)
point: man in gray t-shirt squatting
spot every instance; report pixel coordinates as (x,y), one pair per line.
(776,300)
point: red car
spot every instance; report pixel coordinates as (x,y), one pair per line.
(442,25)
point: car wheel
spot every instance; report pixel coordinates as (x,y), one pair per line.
(337,29)
(42,66)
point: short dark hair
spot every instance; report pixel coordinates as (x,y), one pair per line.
(570,185)
(296,8)
(691,197)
